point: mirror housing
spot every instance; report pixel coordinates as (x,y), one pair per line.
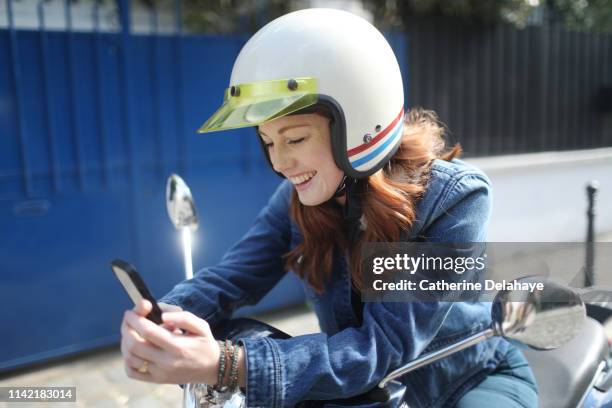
(180,204)
(543,319)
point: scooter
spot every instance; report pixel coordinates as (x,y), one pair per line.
(566,349)
(571,370)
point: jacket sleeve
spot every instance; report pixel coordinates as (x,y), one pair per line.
(246,272)
(318,366)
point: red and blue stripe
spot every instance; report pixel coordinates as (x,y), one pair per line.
(364,154)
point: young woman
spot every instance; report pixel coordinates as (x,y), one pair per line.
(324,91)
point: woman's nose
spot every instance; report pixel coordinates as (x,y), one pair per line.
(281,159)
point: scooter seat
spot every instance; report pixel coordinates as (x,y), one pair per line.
(564,375)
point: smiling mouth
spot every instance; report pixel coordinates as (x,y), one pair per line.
(302,178)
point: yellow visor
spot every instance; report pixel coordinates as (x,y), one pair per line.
(255,103)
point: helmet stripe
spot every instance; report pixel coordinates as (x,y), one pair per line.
(378,138)
(382,146)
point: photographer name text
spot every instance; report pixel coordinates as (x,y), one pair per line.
(442,285)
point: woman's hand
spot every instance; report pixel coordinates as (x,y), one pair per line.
(165,307)
(182,350)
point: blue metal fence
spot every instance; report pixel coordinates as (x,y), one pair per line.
(91,124)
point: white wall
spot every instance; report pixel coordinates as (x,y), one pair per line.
(541,197)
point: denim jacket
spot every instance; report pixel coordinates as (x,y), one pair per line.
(350,357)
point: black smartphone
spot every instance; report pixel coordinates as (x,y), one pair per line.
(135,287)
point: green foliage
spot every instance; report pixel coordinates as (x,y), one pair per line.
(247,16)
(573,14)
(396,14)
(230,16)
(595,15)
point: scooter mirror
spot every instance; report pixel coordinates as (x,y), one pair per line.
(180,204)
(542,319)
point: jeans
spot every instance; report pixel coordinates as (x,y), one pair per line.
(511,385)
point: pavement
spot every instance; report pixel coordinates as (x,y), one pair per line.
(101,382)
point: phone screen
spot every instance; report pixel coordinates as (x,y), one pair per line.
(135,287)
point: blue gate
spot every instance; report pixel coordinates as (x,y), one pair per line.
(91,125)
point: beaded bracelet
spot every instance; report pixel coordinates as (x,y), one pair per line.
(234,369)
(230,359)
(221,373)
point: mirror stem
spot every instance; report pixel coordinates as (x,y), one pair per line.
(438,354)
(186,238)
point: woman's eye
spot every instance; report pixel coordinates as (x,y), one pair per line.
(296,140)
(268,145)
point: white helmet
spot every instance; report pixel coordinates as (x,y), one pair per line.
(321,56)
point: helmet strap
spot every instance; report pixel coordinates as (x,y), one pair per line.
(352,210)
(342,187)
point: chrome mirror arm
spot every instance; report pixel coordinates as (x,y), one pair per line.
(544,319)
(438,354)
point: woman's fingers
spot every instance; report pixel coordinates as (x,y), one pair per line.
(165,307)
(136,363)
(149,376)
(143,307)
(170,308)
(133,344)
(168,355)
(172,329)
(151,332)
(187,321)
(143,343)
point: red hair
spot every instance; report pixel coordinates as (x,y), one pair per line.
(389,203)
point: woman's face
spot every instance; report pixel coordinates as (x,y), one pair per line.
(300,148)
